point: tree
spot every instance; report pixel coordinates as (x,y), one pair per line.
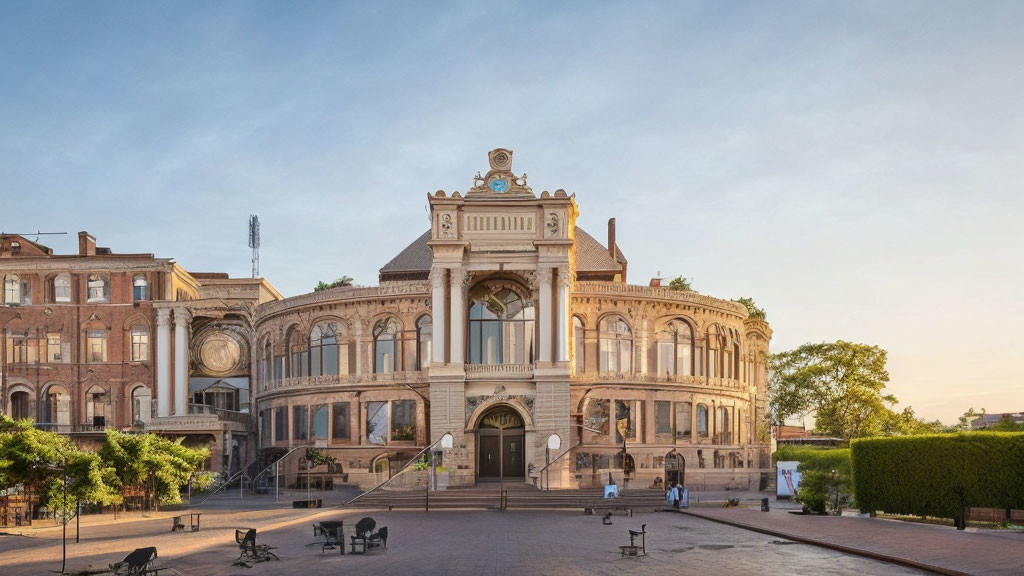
(343,281)
(841,382)
(1005,424)
(681,284)
(969,417)
(155,464)
(906,423)
(752,310)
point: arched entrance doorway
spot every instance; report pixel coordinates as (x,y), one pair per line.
(500,445)
(675,468)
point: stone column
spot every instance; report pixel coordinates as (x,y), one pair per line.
(544,314)
(562,321)
(458,285)
(163,362)
(644,343)
(182,318)
(438,312)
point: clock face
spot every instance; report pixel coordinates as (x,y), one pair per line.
(499,185)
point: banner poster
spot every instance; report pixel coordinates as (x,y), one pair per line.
(788,481)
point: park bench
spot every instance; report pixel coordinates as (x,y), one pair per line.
(137,563)
(251,553)
(332,531)
(366,539)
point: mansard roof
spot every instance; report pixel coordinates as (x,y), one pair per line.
(414,261)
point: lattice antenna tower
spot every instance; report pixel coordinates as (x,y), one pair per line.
(254,243)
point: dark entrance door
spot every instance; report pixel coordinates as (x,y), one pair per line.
(501,445)
(490,452)
(675,469)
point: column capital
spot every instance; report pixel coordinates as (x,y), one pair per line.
(182,317)
(544,276)
(437,277)
(163,316)
(564,276)
(460,277)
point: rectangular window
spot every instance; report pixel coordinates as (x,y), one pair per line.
(265,427)
(666,359)
(18,353)
(712,363)
(300,422)
(53,347)
(340,414)
(96,346)
(62,290)
(278,368)
(683,360)
(320,414)
(280,424)
(663,419)
(12,290)
(403,420)
(627,416)
(683,425)
(377,422)
(140,345)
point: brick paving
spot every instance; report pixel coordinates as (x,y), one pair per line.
(943,549)
(453,543)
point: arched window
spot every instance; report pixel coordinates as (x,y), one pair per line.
(98,289)
(702,421)
(386,347)
(723,425)
(714,353)
(577,343)
(500,328)
(140,343)
(616,340)
(56,406)
(268,359)
(675,349)
(424,335)
(323,350)
(140,288)
(19,405)
(96,403)
(62,289)
(298,354)
(12,289)
(141,405)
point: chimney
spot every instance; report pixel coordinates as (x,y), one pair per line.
(86,244)
(611,238)
(655,282)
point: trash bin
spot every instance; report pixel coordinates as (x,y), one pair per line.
(764,504)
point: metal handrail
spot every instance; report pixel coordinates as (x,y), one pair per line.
(411,461)
(540,473)
(238,474)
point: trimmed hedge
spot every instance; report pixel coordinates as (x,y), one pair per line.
(939,475)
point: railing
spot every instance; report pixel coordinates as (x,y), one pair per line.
(58,428)
(657,292)
(490,370)
(417,377)
(397,288)
(241,475)
(243,418)
(540,473)
(649,378)
(397,480)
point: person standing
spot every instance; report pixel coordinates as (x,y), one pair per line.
(672,496)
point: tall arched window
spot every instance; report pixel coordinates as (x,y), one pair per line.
(140,288)
(675,349)
(56,406)
(386,346)
(702,421)
(500,327)
(96,402)
(12,289)
(424,335)
(323,350)
(577,342)
(298,354)
(19,405)
(62,289)
(616,340)
(714,352)
(141,405)
(268,359)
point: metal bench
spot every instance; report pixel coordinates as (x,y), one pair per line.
(137,563)
(333,531)
(251,553)
(365,538)
(633,549)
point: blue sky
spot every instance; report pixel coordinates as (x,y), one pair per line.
(855,167)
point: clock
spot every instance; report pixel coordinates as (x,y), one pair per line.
(499,184)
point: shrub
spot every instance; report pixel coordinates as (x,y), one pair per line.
(818,486)
(939,475)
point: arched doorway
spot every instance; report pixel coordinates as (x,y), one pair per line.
(675,468)
(382,468)
(501,445)
(19,405)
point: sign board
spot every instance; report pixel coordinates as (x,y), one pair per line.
(788,481)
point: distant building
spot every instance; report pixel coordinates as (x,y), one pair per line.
(986,420)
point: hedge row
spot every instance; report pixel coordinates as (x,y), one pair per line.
(818,487)
(939,475)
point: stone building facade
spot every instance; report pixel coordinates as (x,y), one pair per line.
(512,329)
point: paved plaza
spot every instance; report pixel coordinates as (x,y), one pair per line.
(449,542)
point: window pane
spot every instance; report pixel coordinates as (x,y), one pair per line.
(597,416)
(300,423)
(377,422)
(683,427)
(330,359)
(320,422)
(340,413)
(403,420)
(625,410)
(702,421)
(315,353)
(683,361)
(666,365)
(662,417)
(280,424)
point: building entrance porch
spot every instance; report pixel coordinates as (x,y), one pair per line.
(501,446)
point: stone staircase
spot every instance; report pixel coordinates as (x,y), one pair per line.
(519,496)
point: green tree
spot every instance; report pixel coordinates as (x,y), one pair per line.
(752,310)
(842,383)
(970,416)
(906,423)
(157,465)
(681,284)
(1005,424)
(343,281)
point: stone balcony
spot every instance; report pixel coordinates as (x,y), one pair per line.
(306,382)
(637,378)
(498,371)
